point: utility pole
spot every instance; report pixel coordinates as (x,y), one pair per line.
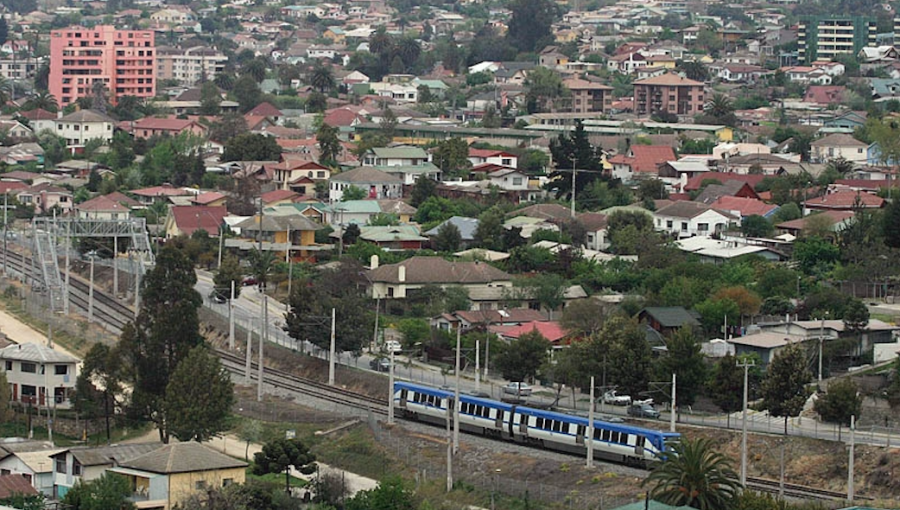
(477,365)
(375,333)
(590,431)
(231,319)
(91,294)
(574,160)
(115,265)
(746,366)
(456,395)
(850,488)
(672,414)
(262,340)
(68,249)
(137,290)
(331,353)
(821,346)
(449,451)
(249,350)
(221,242)
(391,390)
(5,232)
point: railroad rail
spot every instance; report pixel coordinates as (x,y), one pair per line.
(797,491)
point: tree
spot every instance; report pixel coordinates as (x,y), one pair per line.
(584,317)
(543,86)
(321,78)
(43,100)
(166,329)
(530,24)
(627,346)
(856,315)
(107,492)
(254,69)
(784,388)
(316,102)
(891,224)
(448,238)
(452,156)
(720,110)
(491,119)
(574,149)
(787,212)
(548,289)
(249,431)
(246,92)
(280,455)
(330,147)
(210,99)
(252,147)
(489,231)
(390,494)
(229,126)
(99,385)
(4,31)
(747,302)
(6,412)
(199,397)
(653,189)
(422,190)
(840,402)
(351,234)
(522,358)
(693,70)
(683,358)
(756,226)
(726,387)
(388,123)
(815,255)
(694,475)
(262,263)
(228,274)
(353,193)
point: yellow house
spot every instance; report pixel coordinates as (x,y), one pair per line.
(275,230)
(166,477)
(335,34)
(665,61)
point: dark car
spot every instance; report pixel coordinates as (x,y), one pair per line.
(380,364)
(218,297)
(643,410)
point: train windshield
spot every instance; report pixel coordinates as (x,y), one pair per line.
(670,443)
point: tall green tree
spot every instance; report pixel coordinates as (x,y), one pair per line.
(529,27)
(321,78)
(330,148)
(210,99)
(6,412)
(99,389)
(574,149)
(252,147)
(784,389)
(840,402)
(452,157)
(543,87)
(166,329)
(353,193)
(629,358)
(422,190)
(890,221)
(489,232)
(726,386)
(448,238)
(247,93)
(228,274)
(522,359)
(199,397)
(683,358)
(694,475)
(280,455)
(110,491)
(390,494)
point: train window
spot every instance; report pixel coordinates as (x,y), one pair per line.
(639,442)
(597,433)
(615,437)
(605,436)
(485,412)
(557,426)
(539,423)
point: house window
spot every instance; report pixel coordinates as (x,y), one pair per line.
(668,223)
(200,485)
(859,151)
(390,292)
(61,466)
(703,227)
(684,226)
(61,370)
(9,366)
(517,181)
(506,161)
(29,368)
(228,481)
(76,468)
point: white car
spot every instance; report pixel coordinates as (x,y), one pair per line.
(610,397)
(518,389)
(393,346)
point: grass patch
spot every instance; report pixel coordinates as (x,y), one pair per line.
(885,317)
(274,478)
(19,428)
(356,450)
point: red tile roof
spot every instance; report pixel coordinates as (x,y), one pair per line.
(101,203)
(867,184)
(745,206)
(342,117)
(7,186)
(189,218)
(11,485)
(648,157)
(488,153)
(158,124)
(845,200)
(824,94)
(38,114)
(798,224)
(551,330)
(207,198)
(278,195)
(165,190)
(253,121)
(695,182)
(266,110)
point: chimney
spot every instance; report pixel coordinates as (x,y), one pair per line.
(373,262)
(401,274)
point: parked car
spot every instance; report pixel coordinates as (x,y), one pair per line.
(518,389)
(393,346)
(380,364)
(217,297)
(643,410)
(610,397)
(248,280)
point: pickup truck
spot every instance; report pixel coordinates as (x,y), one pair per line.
(610,397)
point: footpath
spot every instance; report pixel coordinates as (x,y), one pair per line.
(21,333)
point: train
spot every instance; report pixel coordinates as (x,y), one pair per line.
(617,442)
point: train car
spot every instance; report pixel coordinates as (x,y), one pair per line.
(557,431)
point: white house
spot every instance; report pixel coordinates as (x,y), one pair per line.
(395,281)
(395,156)
(688,219)
(595,225)
(39,375)
(509,179)
(79,127)
(376,184)
(36,466)
(838,145)
(493,157)
(83,464)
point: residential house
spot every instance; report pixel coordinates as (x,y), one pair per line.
(46,197)
(744,207)
(641,162)
(210,199)
(595,225)
(166,477)
(824,95)
(299,176)
(15,485)
(696,182)
(183,220)
(839,220)
(552,58)
(626,63)
(39,376)
(719,251)
(399,237)
(103,208)
(409,174)
(465,226)
(874,332)
(33,465)
(148,127)
(555,334)
(494,157)
(376,183)
(472,319)
(765,345)
(668,319)
(265,109)
(162,193)
(669,93)
(40,119)
(79,127)
(395,156)
(836,146)
(714,192)
(287,230)
(843,201)
(402,280)
(16,131)
(586,97)
(688,219)
(87,463)
(360,212)
(509,179)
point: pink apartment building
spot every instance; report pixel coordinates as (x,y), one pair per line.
(668,93)
(125,60)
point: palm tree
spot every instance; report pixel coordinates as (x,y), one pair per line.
(262,263)
(408,49)
(380,41)
(321,78)
(694,475)
(718,106)
(43,100)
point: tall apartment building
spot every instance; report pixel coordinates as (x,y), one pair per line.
(823,37)
(668,93)
(586,97)
(189,66)
(125,60)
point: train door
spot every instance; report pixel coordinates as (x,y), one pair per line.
(498,422)
(404,395)
(639,446)
(579,435)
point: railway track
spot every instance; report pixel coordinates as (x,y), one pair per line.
(797,491)
(283,380)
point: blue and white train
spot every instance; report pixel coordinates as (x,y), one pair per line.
(612,441)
